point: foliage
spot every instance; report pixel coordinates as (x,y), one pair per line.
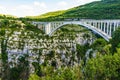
(108,8)
(11,71)
(49,14)
(81,50)
(21,71)
(34,77)
(103,68)
(4,37)
(60,74)
(99,44)
(2,16)
(115,41)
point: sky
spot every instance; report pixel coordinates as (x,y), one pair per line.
(22,8)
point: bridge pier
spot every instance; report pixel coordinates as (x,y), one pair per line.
(98,25)
(108,27)
(101,26)
(117,24)
(47,28)
(114,26)
(104,27)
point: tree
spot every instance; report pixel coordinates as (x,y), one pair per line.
(21,70)
(99,44)
(5,34)
(103,67)
(115,40)
(81,52)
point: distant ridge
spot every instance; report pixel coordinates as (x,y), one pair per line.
(49,14)
(104,9)
(7,16)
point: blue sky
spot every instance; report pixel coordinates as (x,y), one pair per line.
(23,8)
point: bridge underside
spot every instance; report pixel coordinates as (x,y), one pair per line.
(92,28)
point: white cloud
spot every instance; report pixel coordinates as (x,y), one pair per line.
(36,3)
(1,7)
(21,10)
(84,1)
(33,9)
(25,7)
(62,3)
(40,4)
(37,7)
(14,9)
(3,10)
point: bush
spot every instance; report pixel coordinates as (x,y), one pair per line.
(103,68)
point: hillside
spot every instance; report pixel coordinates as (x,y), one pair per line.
(49,14)
(3,16)
(105,9)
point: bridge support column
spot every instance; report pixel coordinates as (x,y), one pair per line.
(89,23)
(98,24)
(47,28)
(108,24)
(104,26)
(110,29)
(94,24)
(55,25)
(114,26)
(52,26)
(117,24)
(101,25)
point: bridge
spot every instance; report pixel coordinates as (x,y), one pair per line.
(104,28)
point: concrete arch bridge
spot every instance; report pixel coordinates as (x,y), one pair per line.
(104,28)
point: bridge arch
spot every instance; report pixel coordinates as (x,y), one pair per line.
(88,26)
(104,28)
